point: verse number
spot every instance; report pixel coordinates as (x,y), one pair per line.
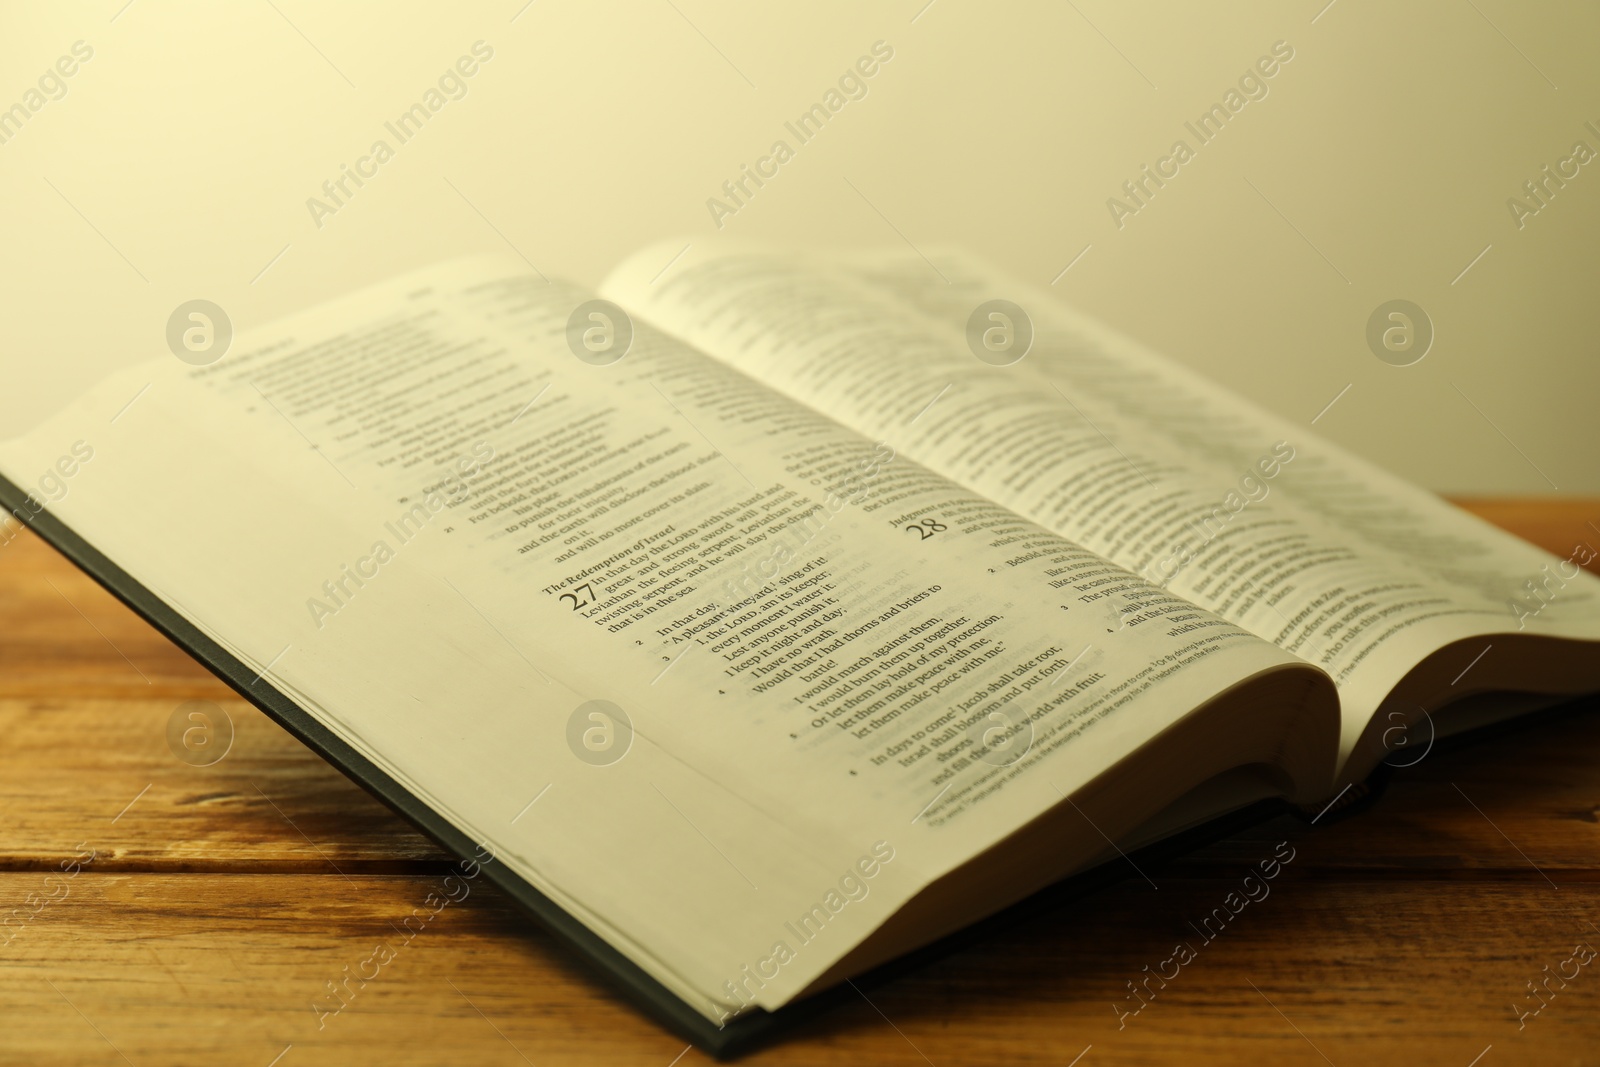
(925,528)
(581,596)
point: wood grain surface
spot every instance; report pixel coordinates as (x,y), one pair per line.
(220,901)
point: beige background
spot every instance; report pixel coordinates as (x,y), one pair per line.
(1387,149)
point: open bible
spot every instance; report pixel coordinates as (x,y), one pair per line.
(764,618)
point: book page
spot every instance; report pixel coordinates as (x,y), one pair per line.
(1125,452)
(727,680)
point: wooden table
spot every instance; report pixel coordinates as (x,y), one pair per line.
(220,900)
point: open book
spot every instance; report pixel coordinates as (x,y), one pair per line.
(806,611)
